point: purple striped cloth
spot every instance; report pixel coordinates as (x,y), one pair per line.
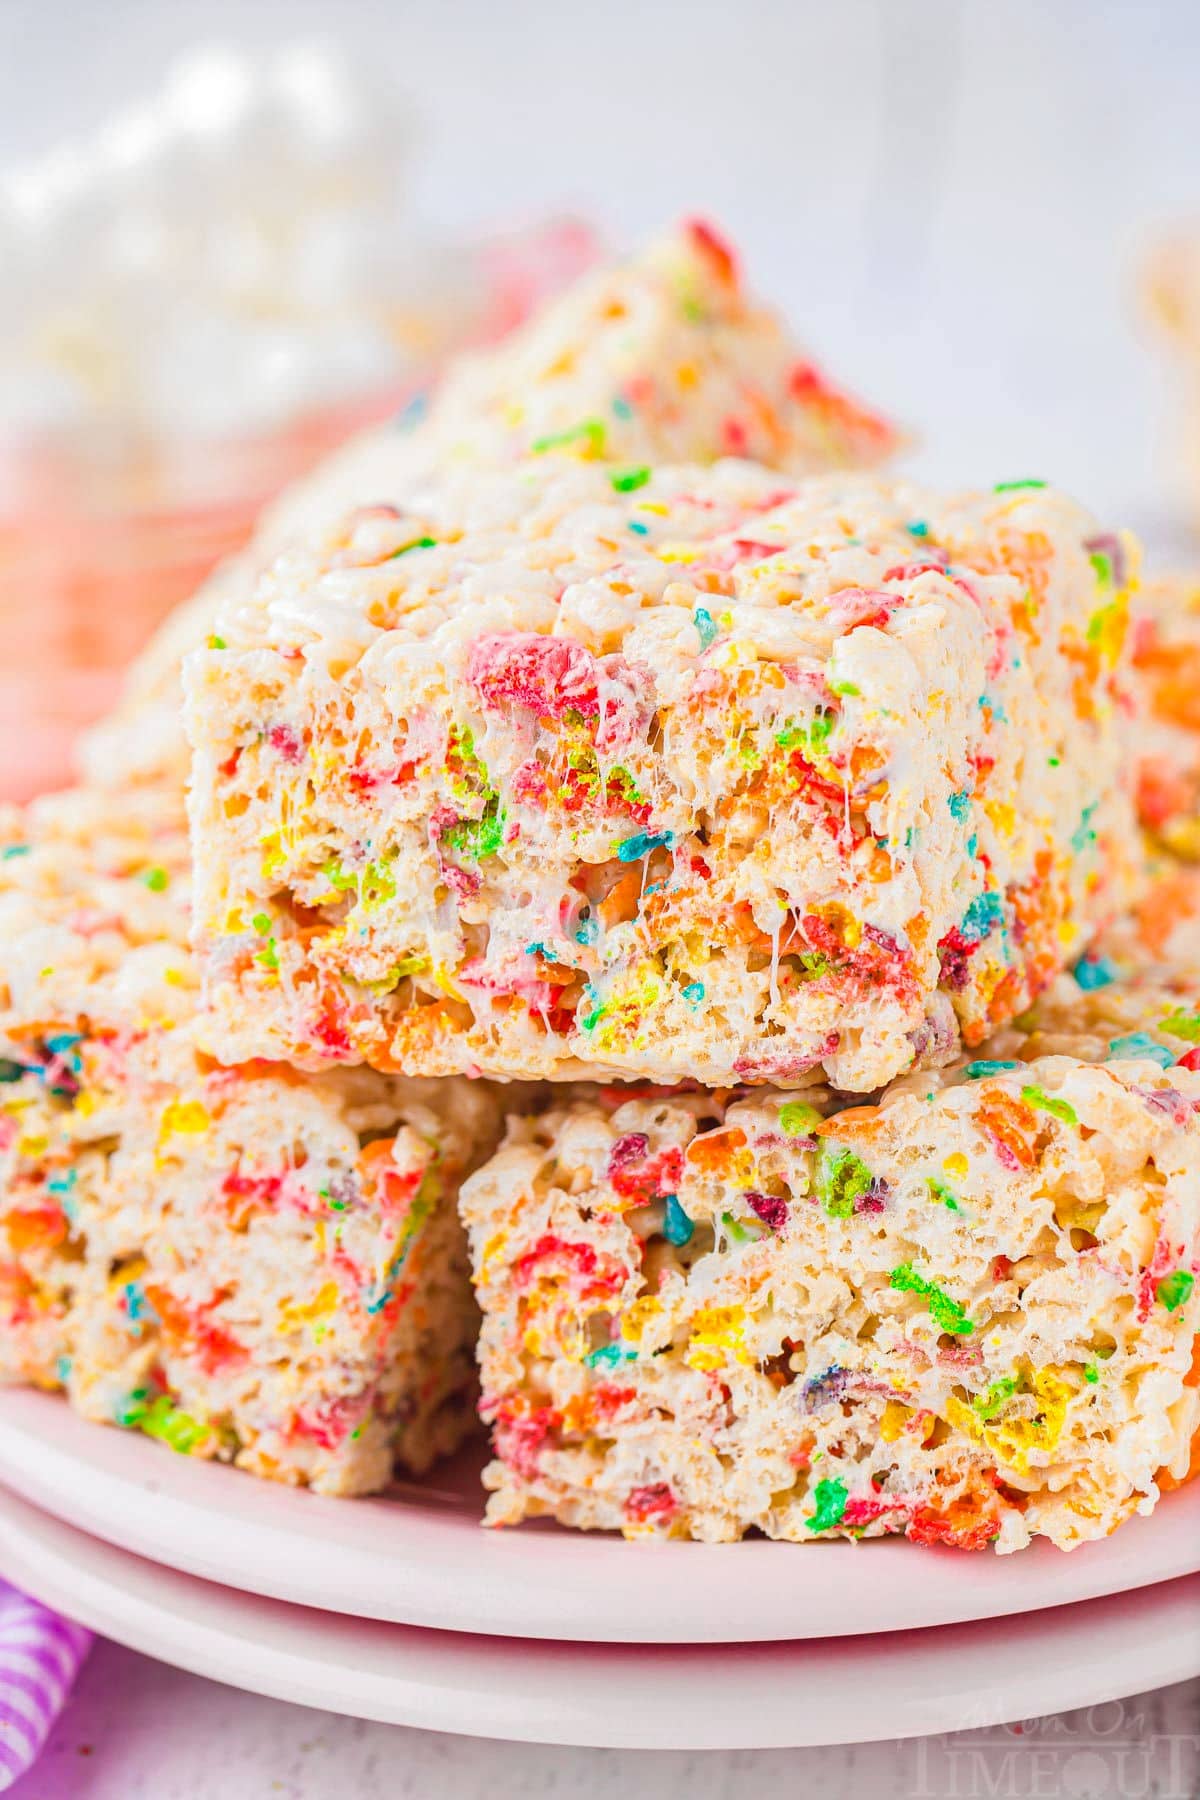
(40,1654)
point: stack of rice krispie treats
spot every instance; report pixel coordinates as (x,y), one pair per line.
(241,1260)
(758,840)
(963,1307)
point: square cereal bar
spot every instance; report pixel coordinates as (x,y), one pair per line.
(664,356)
(245,1263)
(966,1312)
(667,773)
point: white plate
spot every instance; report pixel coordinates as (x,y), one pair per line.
(419,1557)
(746,1696)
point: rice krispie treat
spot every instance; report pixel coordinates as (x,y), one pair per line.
(245,1263)
(661,356)
(966,1312)
(672,773)
(665,356)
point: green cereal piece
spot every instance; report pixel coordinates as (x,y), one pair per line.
(160,1419)
(421,543)
(1182,1024)
(797,1118)
(1049,1103)
(378,884)
(337,877)
(810,738)
(1175,1289)
(589,431)
(945,1312)
(842,1179)
(476,838)
(830,1498)
(943,1195)
(986,1406)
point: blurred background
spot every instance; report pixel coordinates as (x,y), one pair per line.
(976,215)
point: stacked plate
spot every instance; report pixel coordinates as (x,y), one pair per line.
(403,1609)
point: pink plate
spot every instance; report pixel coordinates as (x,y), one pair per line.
(641,1696)
(417,1556)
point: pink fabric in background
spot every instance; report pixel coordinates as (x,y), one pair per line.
(40,1655)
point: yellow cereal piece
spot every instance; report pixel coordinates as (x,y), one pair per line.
(894,1418)
(1108,628)
(1019,1441)
(1015,1441)
(325,1301)
(443,980)
(185,1116)
(491,1250)
(638,1316)
(717,1332)
(274,858)
(624,1005)
(1182,838)
(533,1338)
(959,1415)
(131,1271)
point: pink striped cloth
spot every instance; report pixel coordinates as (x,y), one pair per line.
(40,1654)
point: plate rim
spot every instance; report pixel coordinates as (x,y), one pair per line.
(774,1696)
(219,1524)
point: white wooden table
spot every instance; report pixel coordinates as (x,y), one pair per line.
(139,1731)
